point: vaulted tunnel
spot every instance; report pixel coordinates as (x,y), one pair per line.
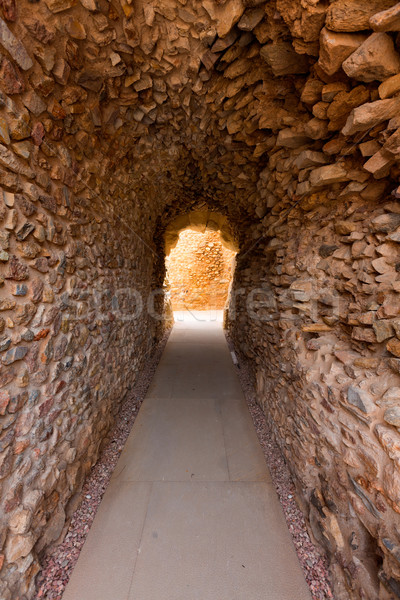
(118,119)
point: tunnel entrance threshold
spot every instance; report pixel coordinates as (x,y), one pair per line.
(191,511)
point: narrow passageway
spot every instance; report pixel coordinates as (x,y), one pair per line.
(190,512)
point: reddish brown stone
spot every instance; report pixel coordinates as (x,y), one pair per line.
(20,446)
(56,110)
(4,401)
(42,334)
(41,264)
(17,402)
(16,270)
(393,346)
(60,386)
(9,10)
(39,31)
(10,78)
(13,498)
(37,290)
(45,407)
(38,133)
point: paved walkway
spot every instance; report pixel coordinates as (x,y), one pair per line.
(190,513)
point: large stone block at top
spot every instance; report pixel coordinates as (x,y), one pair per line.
(336,47)
(375,59)
(387,20)
(354,15)
(226,15)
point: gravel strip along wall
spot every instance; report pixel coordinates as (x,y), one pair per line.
(275,123)
(60,561)
(312,561)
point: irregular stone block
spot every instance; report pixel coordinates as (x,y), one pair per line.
(225,15)
(385,223)
(336,47)
(18,546)
(361,399)
(379,164)
(33,103)
(251,19)
(383,330)
(353,15)
(17,270)
(327,175)
(39,30)
(14,47)
(375,59)
(8,159)
(289,138)
(368,115)
(9,9)
(393,346)
(283,59)
(364,334)
(310,158)
(10,78)
(57,6)
(17,353)
(390,87)
(392,416)
(387,20)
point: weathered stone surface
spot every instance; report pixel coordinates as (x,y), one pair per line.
(57,6)
(283,60)
(327,175)
(14,47)
(9,9)
(289,138)
(389,87)
(10,78)
(353,15)
(336,47)
(17,270)
(251,18)
(225,15)
(387,20)
(393,346)
(375,59)
(34,103)
(371,114)
(392,416)
(361,399)
(18,546)
(385,223)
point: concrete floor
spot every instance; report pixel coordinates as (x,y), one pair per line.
(190,513)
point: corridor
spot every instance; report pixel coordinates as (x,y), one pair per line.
(190,513)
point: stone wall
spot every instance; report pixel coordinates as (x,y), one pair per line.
(116,119)
(322,335)
(71,345)
(199,270)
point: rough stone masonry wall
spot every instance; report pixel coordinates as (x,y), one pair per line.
(116,117)
(70,347)
(199,270)
(323,336)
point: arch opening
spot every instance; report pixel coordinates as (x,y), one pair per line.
(199,270)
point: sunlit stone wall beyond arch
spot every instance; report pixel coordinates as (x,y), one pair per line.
(199,271)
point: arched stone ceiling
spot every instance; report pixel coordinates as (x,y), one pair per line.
(200,221)
(220,102)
